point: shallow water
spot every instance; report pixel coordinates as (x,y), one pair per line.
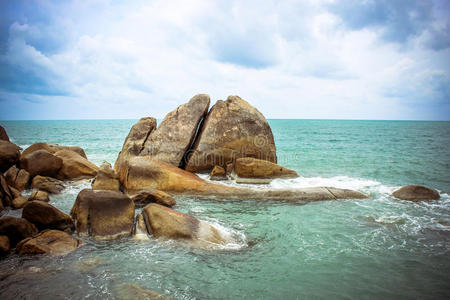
(373,248)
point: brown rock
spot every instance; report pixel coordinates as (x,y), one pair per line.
(6,196)
(52,242)
(134,143)
(218,173)
(48,184)
(16,229)
(75,166)
(106,179)
(177,131)
(416,193)
(19,202)
(125,291)
(4,245)
(232,129)
(41,162)
(9,155)
(38,195)
(145,197)
(103,214)
(165,222)
(249,167)
(3,135)
(53,148)
(140,229)
(46,216)
(17,178)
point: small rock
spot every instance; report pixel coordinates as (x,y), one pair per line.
(17,178)
(4,245)
(46,216)
(52,242)
(106,179)
(249,167)
(19,202)
(38,195)
(416,193)
(147,196)
(218,173)
(16,229)
(127,291)
(48,184)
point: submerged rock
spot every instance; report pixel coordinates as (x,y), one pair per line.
(106,179)
(16,229)
(173,137)
(88,264)
(46,216)
(103,214)
(9,155)
(48,184)
(17,178)
(416,193)
(53,148)
(38,195)
(218,173)
(165,222)
(147,196)
(127,291)
(52,242)
(74,166)
(134,143)
(249,167)
(41,162)
(232,129)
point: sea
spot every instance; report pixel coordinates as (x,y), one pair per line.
(375,248)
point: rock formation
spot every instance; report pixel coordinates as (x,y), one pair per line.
(232,129)
(251,170)
(148,196)
(52,242)
(106,179)
(53,148)
(416,193)
(9,155)
(41,162)
(46,216)
(218,173)
(47,184)
(74,166)
(16,229)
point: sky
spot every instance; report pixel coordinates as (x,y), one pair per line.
(110,59)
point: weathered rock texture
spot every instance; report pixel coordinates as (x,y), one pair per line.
(218,173)
(41,162)
(53,148)
(4,245)
(416,193)
(103,214)
(9,155)
(38,195)
(3,135)
(177,131)
(52,242)
(74,166)
(251,168)
(46,216)
(16,229)
(106,179)
(48,184)
(6,196)
(148,196)
(165,222)
(232,129)
(17,178)
(19,202)
(134,143)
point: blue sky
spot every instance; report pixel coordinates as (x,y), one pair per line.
(350,59)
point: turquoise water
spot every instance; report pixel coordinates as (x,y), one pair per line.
(349,249)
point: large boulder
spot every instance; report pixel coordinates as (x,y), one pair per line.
(246,169)
(165,222)
(145,197)
(134,143)
(177,131)
(53,148)
(4,245)
(52,242)
(9,155)
(41,162)
(46,216)
(232,129)
(3,135)
(16,229)
(48,184)
(103,214)
(17,178)
(38,195)
(74,166)
(416,193)
(106,179)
